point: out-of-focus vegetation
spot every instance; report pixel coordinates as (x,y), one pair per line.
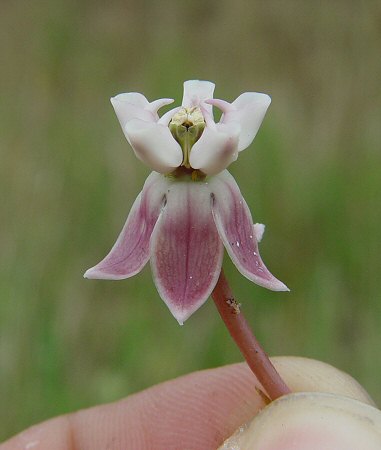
(68,179)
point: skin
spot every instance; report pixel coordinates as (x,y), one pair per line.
(194,412)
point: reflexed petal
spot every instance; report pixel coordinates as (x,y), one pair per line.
(235,226)
(196,92)
(248,110)
(154,145)
(216,149)
(130,253)
(186,251)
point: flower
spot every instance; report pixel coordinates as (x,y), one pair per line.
(190,206)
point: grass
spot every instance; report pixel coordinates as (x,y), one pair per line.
(68,179)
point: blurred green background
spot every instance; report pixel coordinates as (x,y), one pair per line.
(68,179)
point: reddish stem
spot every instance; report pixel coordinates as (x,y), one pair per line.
(250,348)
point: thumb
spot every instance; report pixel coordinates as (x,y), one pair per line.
(341,417)
(314,421)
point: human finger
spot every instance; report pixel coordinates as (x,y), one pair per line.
(197,411)
(313,421)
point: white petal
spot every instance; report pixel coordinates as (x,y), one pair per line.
(154,145)
(216,149)
(196,92)
(130,106)
(248,110)
(223,105)
(133,105)
(157,104)
(135,98)
(208,115)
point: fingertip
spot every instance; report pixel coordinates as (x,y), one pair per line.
(306,374)
(52,434)
(312,420)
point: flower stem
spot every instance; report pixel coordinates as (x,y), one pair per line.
(250,348)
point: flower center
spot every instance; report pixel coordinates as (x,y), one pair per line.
(186,127)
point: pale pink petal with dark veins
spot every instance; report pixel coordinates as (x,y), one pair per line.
(235,226)
(186,251)
(130,253)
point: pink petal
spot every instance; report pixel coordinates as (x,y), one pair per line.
(186,251)
(130,253)
(196,92)
(216,149)
(235,227)
(154,145)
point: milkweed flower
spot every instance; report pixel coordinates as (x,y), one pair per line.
(190,206)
